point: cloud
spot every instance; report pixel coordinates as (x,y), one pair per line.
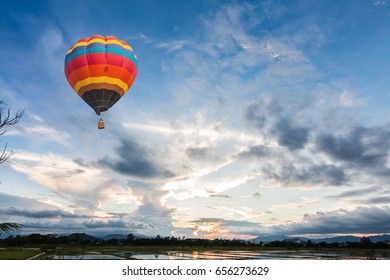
(223,228)
(291,136)
(363,220)
(50,51)
(316,156)
(43,132)
(9,200)
(257,151)
(256,195)
(348,100)
(363,149)
(239,105)
(135,160)
(272,124)
(40,214)
(172,45)
(220,196)
(342,148)
(375,200)
(310,174)
(151,212)
(379,2)
(253,114)
(354,193)
(51,227)
(85,185)
(109,224)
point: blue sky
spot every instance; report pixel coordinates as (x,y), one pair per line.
(247,118)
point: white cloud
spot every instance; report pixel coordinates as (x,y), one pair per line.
(173,45)
(49,52)
(347,99)
(86,186)
(42,132)
(379,2)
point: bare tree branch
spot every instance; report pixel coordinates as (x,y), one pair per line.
(5,155)
(7,120)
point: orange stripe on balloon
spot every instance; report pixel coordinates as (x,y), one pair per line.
(98,58)
(98,71)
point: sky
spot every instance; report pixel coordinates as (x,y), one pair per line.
(246,119)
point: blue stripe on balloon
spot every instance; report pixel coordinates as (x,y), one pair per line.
(101,48)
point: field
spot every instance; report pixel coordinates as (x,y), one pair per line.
(18,253)
(180,252)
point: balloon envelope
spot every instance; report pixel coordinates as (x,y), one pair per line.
(100,70)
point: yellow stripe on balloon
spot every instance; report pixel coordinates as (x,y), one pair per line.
(98,80)
(97,40)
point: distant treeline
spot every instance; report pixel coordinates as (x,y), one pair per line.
(131,240)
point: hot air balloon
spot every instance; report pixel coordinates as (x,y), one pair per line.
(101,70)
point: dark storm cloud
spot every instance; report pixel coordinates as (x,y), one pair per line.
(202,154)
(40,214)
(287,133)
(354,193)
(311,174)
(256,151)
(253,115)
(364,220)
(375,200)
(352,156)
(362,147)
(135,160)
(293,137)
(256,195)
(116,224)
(220,196)
(41,227)
(7,200)
(197,153)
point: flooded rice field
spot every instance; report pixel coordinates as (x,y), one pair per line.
(225,255)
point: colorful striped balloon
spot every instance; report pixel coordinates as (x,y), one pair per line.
(100,70)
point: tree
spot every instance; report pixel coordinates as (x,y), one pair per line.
(366,242)
(6,120)
(130,238)
(9,227)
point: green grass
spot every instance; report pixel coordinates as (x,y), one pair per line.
(17,254)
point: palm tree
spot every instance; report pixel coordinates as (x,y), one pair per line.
(9,227)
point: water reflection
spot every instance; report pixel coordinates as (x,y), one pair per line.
(224,255)
(88,256)
(245,255)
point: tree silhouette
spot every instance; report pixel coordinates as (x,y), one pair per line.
(9,227)
(130,237)
(6,120)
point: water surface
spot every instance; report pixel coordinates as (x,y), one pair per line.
(225,255)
